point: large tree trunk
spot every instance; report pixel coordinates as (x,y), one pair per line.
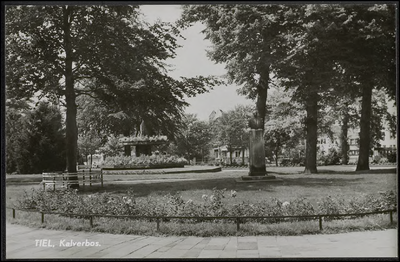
(365,126)
(261,104)
(312,135)
(343,138)
(71,126)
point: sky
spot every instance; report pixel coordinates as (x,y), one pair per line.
(191,60)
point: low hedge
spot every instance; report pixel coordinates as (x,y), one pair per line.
(216,204)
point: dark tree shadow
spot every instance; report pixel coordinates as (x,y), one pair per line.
(322,171)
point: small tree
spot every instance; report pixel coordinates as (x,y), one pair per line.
(194,138)
(112,147)
(88,143)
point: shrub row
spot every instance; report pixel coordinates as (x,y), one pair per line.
(69,201)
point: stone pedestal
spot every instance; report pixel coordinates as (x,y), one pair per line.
(257,153)
(257,171)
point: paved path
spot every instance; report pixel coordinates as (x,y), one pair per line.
(24,242)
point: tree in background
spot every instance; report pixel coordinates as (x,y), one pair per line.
(341,106)
(284,126)
(14,121)
(230,130)
(39,146)
(194,138)
(108,52)
(380,116)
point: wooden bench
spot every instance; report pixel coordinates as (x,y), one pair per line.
(52,180)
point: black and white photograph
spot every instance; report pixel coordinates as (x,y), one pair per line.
(226,130)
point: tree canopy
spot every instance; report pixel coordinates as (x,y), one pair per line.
(309,47)
(107,52)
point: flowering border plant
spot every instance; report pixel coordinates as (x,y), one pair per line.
(128,139)
(144,161)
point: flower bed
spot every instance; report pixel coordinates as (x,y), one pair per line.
(216,204)
(143,162)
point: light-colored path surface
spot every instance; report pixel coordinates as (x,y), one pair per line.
(23,242)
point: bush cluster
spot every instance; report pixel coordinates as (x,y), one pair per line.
(294,161)
(392,157)
(333,157)
(70,201)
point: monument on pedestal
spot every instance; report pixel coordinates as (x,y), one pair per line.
(257,171)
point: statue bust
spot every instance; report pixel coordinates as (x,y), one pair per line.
(255,122)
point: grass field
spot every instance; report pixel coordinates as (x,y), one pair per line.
(333,181)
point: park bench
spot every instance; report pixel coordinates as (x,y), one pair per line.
(61,179)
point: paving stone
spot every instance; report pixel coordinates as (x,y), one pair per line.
(192,253)
(288,250)
(202,244)
(247,254)
(247,239)
(209,254)
(174,243)
(164,248)
(270,253)
(247,245)
(219,241)
(164,241)
(232,243)
(214,247)
(120,250)
(187,243)
(177,253)
(230,253)
(155,254)
(143,252)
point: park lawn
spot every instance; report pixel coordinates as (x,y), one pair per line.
(193,186)
(341,184)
